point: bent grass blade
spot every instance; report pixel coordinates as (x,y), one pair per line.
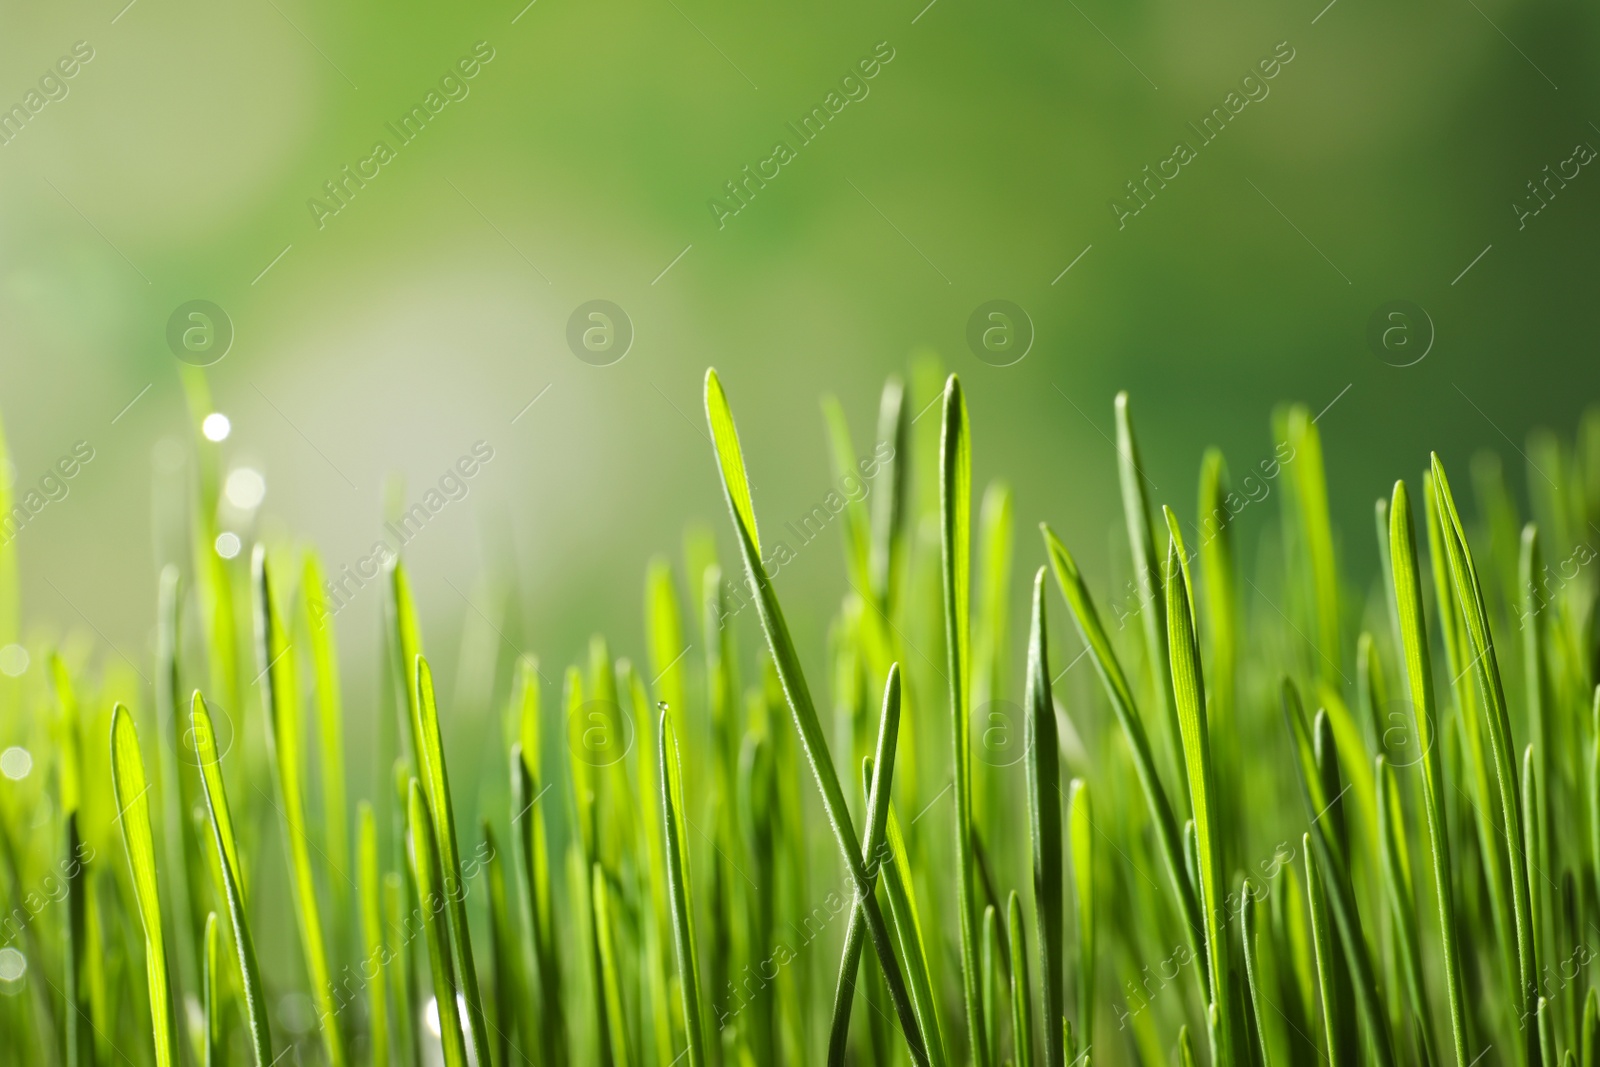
(736,492)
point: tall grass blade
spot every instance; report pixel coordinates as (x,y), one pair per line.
(1250,936)
(281,697)
(610,982)
(1486,669)
(1080,815)
(1021,1011)
(318,623)
(431,890)
(955,547)
(1188,689)
(1044,827)
(1406,584)
(736,490)
(1338,1024)
(1395,864)
(131,790)
(80,1024)
(1147,578)
(233,892)
(1104,658)
(370,887)
(678,888)
(436,784)
(1317,764)
(211,992)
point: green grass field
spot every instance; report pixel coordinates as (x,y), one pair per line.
(1223,804)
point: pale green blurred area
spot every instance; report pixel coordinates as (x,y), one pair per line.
(425,315)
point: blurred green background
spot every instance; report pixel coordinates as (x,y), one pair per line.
(433,307)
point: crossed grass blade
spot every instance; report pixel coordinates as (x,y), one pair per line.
(736,491)
(131,789)
(879,770)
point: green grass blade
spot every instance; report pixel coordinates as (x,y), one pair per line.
(1147,578)
(991,964)
(1044,826)
(80,1026)
(402,992)
(430,749)
(211,992)
(1310,506)
(856,522)
(1188,689)
(1337,1022)
(955,545)
(1486,668)
(908,928)
(1406,585)
(285,737)
(1080,814)
(318,623)
(1104,658)
(431,891)
(370,887)
(1021,1011)
(233,892)
(1317,763)
(1395,866)
(877,822)
(131,789)
(678,889)
(736,490)
(610,983)
(888,503)
(1252,969)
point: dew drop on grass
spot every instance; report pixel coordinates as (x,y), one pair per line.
(216,426)
(245,488)
(227,544)
(13,965)
(13,660)
(16,763)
